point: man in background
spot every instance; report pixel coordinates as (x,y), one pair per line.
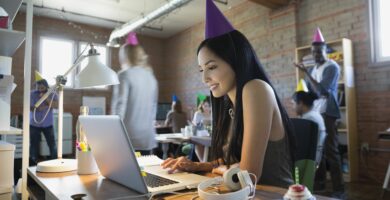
(41,120)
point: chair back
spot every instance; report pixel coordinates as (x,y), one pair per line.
(306,134)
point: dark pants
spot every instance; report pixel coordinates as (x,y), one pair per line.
(331,157)
(35,139)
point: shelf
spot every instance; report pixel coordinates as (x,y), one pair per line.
(343,130)
(10,41)
(11,7)
(341,82)
(342,107)
(11,131)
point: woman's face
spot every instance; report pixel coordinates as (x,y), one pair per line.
(206,106)
(216,73)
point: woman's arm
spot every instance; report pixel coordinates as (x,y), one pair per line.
(168,119)
(184,164)
(258,102)
(122,96)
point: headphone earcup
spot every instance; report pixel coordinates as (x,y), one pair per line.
(231,179)
(246,181)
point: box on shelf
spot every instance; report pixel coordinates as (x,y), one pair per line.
(3,18)
(5,65)
(7,167)
(6,88)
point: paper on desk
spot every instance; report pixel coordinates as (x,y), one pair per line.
(151,160)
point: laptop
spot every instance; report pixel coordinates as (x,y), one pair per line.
(116,159)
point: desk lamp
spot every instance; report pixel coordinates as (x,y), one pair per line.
(94,74)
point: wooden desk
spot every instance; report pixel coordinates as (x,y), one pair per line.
(63,185)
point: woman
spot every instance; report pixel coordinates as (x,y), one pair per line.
(135,98)
(304,102)
(202,117)
(250,126)
(176,118)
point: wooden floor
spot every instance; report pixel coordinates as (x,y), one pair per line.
(361,191)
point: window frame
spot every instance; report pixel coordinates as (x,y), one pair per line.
(375,40)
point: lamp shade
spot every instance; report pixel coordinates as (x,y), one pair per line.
(96,74)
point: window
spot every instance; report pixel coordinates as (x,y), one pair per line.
(380,32)
(56,57)
(101,49)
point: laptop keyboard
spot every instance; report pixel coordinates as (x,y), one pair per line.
(157,181)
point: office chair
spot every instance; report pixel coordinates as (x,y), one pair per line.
(306,134)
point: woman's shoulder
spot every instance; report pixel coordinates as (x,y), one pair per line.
(257,87)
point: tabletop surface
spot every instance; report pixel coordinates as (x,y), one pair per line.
(64,185)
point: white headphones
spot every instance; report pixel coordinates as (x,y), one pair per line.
(235,179)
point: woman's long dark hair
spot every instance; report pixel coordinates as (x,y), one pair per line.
(236,50)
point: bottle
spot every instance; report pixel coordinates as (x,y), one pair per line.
(80,135)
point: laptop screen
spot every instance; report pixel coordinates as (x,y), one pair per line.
(113,151)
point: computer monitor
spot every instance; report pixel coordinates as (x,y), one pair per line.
(162,110)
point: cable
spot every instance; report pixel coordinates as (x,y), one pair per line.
(47,112)
(363,155)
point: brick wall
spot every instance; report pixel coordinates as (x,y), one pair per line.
(275,35)
(43,26)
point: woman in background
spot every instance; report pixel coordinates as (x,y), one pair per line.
(202,116)
(135,98)
(176,118)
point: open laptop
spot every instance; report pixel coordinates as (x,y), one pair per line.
(116,159)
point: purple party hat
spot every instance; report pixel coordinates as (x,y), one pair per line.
(132,39)
(317,37)
(216,22)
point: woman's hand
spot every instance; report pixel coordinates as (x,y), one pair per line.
(182,163)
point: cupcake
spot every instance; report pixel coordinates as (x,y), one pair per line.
(298,192)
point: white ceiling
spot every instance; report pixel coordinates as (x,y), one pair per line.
(113,13)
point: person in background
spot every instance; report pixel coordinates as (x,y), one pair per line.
(263,143)
(202,116)
(176,117)
(304,99)
(41,119)
(135,98)
(322,79)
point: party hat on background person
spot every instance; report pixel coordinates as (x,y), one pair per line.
(317,37)
(132,39)
(216,22)
(38,76)
(301,86)
(200,98)
(175,98)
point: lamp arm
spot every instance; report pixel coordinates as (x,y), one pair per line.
(54,87)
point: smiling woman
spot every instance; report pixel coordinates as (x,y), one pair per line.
(251,128)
